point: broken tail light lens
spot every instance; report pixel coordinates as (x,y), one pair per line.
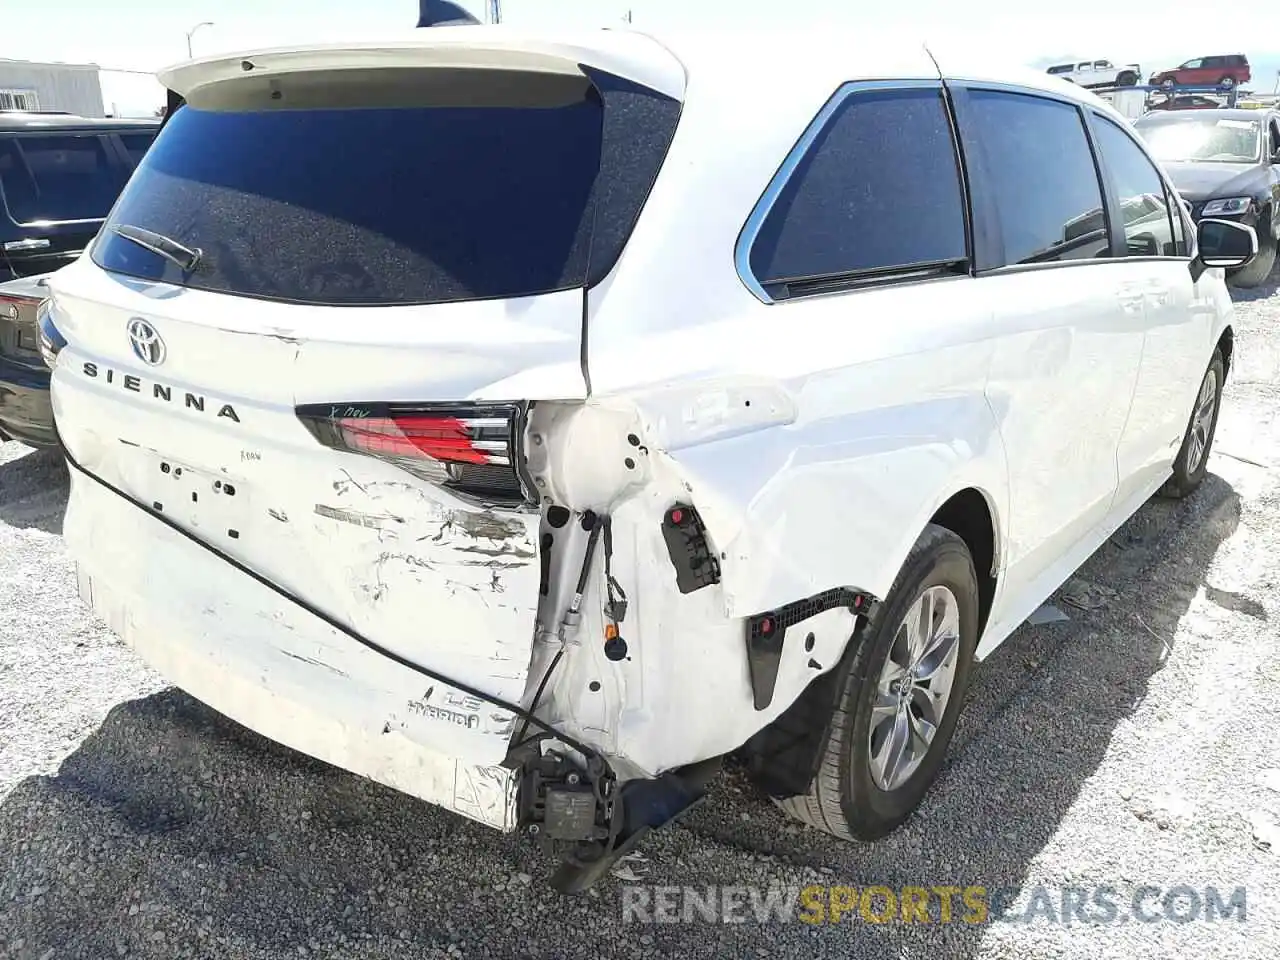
(468,448)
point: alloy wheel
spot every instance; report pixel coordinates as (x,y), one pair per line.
(914,687)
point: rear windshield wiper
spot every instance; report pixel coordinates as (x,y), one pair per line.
(173,251)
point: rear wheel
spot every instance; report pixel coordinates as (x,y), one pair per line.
(1226,83)
(1127,79)
(1192,462)
(1259,268)
(898,705)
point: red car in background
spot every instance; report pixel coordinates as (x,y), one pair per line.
(1224,71)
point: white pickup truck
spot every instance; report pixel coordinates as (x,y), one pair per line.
(1098,73)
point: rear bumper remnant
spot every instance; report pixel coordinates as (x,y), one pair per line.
(306,686)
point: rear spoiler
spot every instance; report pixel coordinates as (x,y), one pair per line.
(431,13)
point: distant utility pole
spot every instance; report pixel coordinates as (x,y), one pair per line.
(206,23)
(628,16)
(495,11)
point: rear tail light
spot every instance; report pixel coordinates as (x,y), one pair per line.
(471,449)
(23,336)
(51,339)
(12,307)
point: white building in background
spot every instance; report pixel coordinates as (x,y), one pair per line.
(68,87)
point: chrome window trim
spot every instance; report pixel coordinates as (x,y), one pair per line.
(764,206)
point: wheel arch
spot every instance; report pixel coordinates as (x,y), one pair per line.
(1226,344)
(784,756)
(970,515)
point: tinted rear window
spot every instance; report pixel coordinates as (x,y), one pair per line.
(424,188)
(57,177)
(136,145)
(878,190)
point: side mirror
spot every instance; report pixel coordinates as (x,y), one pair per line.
(1222,243)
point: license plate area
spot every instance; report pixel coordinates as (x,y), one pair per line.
(199,500)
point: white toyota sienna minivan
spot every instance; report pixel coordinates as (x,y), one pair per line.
(529,421)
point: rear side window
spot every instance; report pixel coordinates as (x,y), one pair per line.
(1042,173)
(136,145)
(877,191)
(1144,204)
(390,187)
(57,177)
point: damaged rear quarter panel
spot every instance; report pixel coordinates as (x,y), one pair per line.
(815,439)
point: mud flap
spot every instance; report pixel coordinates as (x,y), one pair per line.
(767,633)
(783,758)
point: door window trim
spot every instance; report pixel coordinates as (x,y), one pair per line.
(1120,246)
(990,252)
(765,204)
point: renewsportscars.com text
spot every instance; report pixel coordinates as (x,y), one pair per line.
(944,903)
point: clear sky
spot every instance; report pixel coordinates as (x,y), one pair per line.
(147,34)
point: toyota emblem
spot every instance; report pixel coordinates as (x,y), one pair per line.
(147,345)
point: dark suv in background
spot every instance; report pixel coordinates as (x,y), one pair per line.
(59,177)
(1226,71)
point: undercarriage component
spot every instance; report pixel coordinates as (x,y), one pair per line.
(583,817)
(643,806)
(686,536)
(561,804)
(766,633)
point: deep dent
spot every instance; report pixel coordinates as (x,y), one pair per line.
(682,691)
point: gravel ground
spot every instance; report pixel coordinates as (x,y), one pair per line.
(1137,743)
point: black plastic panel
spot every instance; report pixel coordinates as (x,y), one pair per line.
(767,632)
(695,564)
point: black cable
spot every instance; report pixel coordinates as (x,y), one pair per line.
(519,740)
(526,715)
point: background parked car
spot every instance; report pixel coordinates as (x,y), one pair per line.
(1186,102)
(1226,165)
(1098,73)
(59,175)
(1226,71)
